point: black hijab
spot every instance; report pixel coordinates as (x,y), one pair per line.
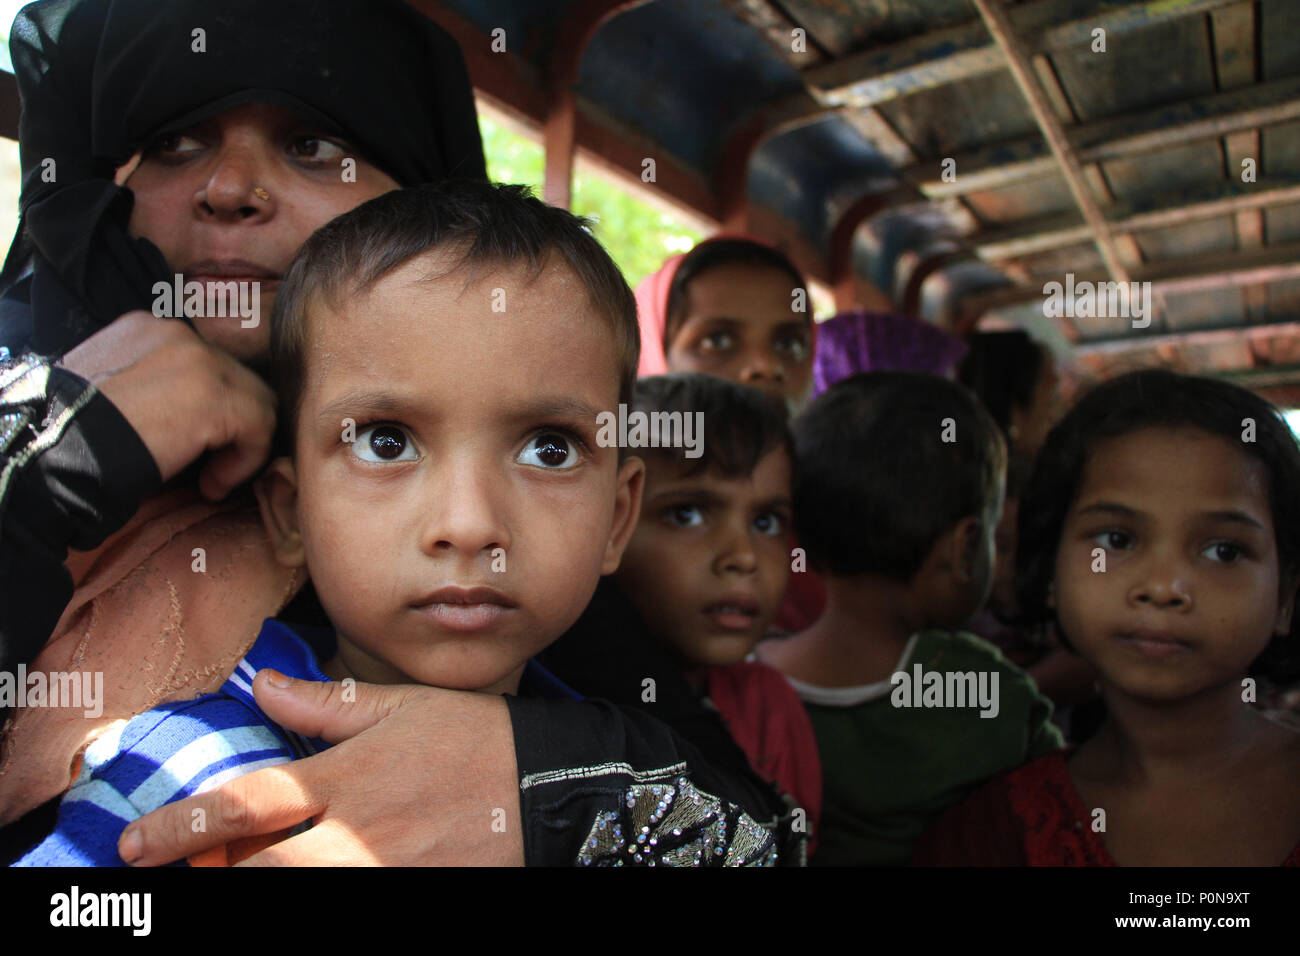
(100,79)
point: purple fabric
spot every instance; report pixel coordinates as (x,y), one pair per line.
(853,342)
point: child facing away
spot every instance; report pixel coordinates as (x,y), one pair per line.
(708,562)
(898,491)
(1161,531)
(443,355)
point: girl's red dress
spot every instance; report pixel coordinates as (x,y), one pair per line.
(1031,816)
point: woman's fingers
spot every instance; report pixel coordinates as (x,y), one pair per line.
(333,710)
(182,396)
(272,799)
(242,432)
(126,169)
(421,776)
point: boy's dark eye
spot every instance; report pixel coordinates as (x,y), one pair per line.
(387,442)
(685,516)
(380,443)
(768,523)
(549,450)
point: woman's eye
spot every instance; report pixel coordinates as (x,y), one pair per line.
(769,523)
(381,443)
(1114,540)
(175,146)
(685,516)
(316,149)
(550,450)
(1224,552)
(717,342)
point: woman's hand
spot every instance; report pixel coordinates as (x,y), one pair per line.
(422,776)
(182,396)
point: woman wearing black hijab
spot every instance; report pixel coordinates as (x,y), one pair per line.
(101,80)
(150,133)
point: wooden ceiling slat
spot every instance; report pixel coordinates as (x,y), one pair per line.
(1129,216)
(965,51)
(1019,62)
(1271,263)
(1130,134)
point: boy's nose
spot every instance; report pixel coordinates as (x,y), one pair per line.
(736,553)
(463,516)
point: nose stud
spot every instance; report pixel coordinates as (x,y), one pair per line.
(261,193)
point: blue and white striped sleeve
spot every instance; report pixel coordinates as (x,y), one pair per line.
(161,756)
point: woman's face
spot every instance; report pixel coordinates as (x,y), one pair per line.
(233,198)
(740,325)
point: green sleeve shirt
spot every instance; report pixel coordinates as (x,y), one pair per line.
(896,754)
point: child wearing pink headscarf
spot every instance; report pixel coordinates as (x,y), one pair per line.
(732,307)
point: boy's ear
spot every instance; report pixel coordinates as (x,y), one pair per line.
(277,499)
(627,509)
(964,542)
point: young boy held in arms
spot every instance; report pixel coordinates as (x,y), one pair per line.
(442,356)
(898,493)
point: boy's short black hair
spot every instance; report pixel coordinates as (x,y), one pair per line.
(741,424)
(1156,398)
(486,223)
(877,482)
(713,254)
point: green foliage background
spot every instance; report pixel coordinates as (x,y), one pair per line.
(638,236)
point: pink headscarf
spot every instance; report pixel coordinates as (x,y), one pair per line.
(652,306)
(652,316)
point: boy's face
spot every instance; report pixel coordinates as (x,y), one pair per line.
(465,524)
(1190,591)
(708,563)
(739,325)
